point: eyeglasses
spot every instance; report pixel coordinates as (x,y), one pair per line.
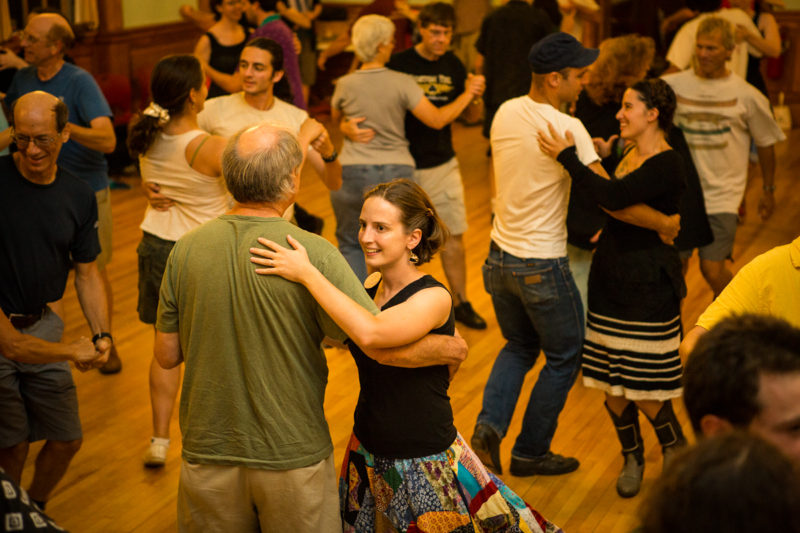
(45,142)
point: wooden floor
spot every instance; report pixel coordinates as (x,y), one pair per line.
(106,488)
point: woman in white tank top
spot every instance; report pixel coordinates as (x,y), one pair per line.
(184,164)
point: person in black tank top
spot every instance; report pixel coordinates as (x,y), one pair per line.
(220,47)
(405,463)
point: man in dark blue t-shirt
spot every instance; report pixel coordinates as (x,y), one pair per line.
(48,221)
(46,39)
(441,75)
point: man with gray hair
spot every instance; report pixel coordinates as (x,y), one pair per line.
(720,115)
(256,447)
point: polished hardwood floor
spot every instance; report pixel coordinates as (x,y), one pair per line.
(106,488)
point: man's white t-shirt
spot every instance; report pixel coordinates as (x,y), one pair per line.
(719,117)
(681,51)
(532,187)
(226,115)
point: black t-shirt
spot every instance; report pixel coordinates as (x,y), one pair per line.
(442,81)
(404,412)
(43,229)
(506,37)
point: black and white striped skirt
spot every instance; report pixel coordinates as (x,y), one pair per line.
(637,360)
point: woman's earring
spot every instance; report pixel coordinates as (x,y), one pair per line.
(413,258)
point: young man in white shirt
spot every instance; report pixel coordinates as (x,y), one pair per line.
(527,272)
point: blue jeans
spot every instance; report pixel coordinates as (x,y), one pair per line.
(346,202)
(538,308)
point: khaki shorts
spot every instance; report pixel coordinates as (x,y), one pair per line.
(104,227)
(237,498)
(443,185)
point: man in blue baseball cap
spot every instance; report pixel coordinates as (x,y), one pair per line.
(527,272)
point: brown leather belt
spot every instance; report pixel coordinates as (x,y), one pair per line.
(25,321)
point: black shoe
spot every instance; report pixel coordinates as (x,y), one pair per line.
(467,316)
(486,445)
(550,464)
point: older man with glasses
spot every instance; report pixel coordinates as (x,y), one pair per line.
(48,223)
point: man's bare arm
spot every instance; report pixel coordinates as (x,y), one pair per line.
(430,350)
(92,297)
(98,136)
(167,349)
(690,340)
(29,349)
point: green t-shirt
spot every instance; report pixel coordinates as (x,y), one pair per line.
(255,376)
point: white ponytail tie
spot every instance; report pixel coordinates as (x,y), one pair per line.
(156,111)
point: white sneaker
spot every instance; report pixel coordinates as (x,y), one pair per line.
(156,454)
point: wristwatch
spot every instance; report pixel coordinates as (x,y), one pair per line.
(102,334)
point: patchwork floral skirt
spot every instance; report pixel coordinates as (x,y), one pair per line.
(449,491)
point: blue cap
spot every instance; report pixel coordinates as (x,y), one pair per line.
(558,51)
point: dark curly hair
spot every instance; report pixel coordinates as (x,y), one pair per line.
(170,83)
(416,211)
(657,94)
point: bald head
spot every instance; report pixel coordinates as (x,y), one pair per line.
(55,27)
(260,165)
(45,39)
(41,108)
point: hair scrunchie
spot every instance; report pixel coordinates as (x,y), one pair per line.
(156,111)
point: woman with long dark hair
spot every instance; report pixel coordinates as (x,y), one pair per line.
(185,163)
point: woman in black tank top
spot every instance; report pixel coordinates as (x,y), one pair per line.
(220,47)
(405,463)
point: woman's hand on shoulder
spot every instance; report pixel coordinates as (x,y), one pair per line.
(276,260)
(553,143)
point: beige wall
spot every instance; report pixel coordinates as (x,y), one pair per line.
(136,13)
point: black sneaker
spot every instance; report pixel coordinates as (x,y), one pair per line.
(550,464)
(486,445)
(467,316)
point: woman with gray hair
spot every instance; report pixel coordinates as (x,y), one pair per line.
(382,97)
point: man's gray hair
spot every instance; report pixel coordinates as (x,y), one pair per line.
(710,25)
(265,175)
(369,32)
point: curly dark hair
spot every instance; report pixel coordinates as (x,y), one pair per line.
(657,94)
(416,211)
(722,373)
(170,84)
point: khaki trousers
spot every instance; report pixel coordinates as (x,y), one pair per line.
(226,499)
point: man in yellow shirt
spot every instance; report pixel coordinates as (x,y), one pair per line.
(767,285)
